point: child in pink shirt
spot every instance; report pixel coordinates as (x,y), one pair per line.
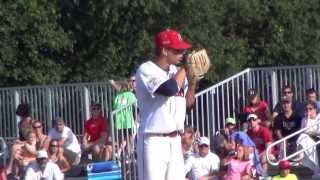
(239,165)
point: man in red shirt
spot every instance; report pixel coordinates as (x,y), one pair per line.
(95,139)
(261,136)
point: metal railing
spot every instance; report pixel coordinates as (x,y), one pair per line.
(283,141)
(224,99)
(70,101)
(228,97)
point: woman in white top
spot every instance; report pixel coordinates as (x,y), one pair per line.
(310,136)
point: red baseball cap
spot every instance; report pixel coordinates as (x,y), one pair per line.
(285,164)
(171,39)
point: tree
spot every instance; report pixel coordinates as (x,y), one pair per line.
(32,43)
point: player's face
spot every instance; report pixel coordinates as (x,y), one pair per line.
(175,56)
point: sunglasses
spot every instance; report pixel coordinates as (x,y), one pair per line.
(36,127)
(53,145)
(253,119)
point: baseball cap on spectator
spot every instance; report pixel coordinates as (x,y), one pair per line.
(42,154)
(171,39)
(230,120)
(285,164)
(252,92)
(285,99)
(252,116)
(204,141)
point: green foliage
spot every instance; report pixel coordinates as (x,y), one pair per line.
(46,42)
(32,43)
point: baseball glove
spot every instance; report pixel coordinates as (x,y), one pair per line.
(197,65)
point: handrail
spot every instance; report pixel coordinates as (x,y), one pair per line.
(245,71)
(283,140)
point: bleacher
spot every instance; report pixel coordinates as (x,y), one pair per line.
(224,99)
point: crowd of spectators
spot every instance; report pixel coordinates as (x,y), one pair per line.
(237,151)
(240,148)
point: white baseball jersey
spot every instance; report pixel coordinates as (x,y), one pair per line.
(159,113)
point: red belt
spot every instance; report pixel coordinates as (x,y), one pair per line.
(170,134)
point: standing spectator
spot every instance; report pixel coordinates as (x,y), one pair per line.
(95,139)
(43,169)
(41,138)
(187,142)
(286,123)
(25,123)
(67,140)
(259,107)
(230,127)
(204,164)
(125,123)
(285,167)
(261,136)
(312,96)
(163,94)
(57,157)
(296,105)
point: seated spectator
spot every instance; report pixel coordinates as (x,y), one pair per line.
(239,165)
(284,174)
(259,107)
(240,137)
(205,164)
(310,157)
(230,127)
(24,153)
(286,123)
(261,136)
(187,142)
(312,96)
(220,140)
(297,106)
(95,139)
(57,157)
(41,138)
(43,169)
(67,140)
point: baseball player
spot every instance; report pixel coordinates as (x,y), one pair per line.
(163,94)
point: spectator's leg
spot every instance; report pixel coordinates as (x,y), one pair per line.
(108,152)
(72,157)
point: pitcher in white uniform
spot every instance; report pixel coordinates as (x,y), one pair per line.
(163,94)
